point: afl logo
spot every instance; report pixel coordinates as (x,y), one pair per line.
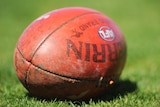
(106,33)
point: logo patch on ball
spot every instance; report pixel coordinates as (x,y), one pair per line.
(106,33)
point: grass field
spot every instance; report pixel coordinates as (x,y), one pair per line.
(139,85)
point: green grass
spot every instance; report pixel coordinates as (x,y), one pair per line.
(139,21)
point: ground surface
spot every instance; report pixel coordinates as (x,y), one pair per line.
(139,21)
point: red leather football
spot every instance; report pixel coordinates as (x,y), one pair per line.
(70,53)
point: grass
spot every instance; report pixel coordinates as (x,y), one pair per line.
(139,21)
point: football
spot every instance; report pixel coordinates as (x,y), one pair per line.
(70,53)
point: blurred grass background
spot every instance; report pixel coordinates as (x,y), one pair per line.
(138,19)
